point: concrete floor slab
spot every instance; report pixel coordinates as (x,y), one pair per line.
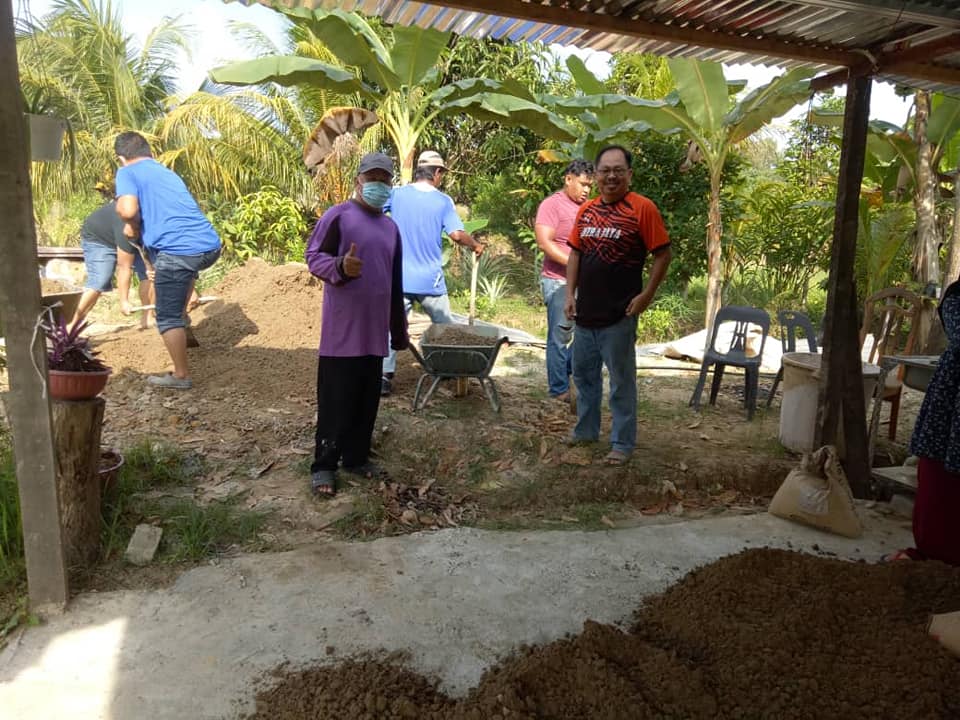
(455,600)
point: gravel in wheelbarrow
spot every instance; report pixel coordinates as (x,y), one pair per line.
(458,336)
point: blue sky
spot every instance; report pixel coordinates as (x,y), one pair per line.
(213,44)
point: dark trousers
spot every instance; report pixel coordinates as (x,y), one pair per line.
(935,512)
(348,397)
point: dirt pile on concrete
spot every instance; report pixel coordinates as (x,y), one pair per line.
(765,633)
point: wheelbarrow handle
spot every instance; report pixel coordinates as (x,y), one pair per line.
(416,354)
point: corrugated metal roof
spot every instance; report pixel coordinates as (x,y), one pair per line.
(823,34)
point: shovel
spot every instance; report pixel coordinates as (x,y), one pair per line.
(202,301)
(473,289)
(461,389)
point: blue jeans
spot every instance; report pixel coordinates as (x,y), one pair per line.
(559,335)
(614,347)
(437,308)
(101,262)
(175,275)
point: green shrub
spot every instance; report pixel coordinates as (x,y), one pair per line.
(668,318)
(264,224)
(60,224)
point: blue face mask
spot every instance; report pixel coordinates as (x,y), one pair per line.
(375,194)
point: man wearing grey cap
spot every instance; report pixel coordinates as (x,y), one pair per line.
(423,214)
(356,250)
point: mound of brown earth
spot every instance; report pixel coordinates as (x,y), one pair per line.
(762,634)
(257,341)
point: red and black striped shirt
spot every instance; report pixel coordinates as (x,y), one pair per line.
(613,241)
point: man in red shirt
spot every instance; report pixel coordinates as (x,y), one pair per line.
(553,225)
(612,236)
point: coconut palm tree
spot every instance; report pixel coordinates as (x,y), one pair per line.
(80,63)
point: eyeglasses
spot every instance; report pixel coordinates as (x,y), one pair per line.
(615,172)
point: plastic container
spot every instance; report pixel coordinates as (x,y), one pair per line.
(798,410)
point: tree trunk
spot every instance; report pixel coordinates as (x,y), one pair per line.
(952,272)
(714,255)
(76,430)
(926,257)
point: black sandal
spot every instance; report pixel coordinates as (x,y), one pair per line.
(323,483)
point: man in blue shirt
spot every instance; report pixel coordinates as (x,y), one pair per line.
(423,214)
(154,204)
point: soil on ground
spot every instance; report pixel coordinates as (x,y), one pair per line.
(762,634)
(251,415)
(252,411)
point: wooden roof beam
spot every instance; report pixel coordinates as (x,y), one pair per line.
(923,52)
(903,62)
(825,55)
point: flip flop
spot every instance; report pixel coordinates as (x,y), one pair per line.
(615,457)
(323,484)
(897,556)
(170,381)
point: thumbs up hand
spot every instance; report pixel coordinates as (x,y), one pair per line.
(352,265)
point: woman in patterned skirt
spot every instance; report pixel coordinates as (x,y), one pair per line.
(936,443)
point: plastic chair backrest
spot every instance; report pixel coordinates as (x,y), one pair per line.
(890,317)
(790,322)
(744,317)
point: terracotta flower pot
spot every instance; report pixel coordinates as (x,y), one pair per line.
(77,385)
(110,463)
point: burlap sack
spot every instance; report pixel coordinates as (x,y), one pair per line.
(945,627)
(817,494)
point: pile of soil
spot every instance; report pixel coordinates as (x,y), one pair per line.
(258,340)
(766,633)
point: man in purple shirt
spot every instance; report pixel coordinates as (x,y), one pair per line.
(355,249)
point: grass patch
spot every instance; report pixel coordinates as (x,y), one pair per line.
(12,569)
(364,521)
(191,531)
(158,464)
(195,532)
(590,515)
(148,465)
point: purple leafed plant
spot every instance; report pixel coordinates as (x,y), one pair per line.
(67,350)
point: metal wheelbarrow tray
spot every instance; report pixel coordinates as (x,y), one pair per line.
(447,361)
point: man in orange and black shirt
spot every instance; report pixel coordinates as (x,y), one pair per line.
(610,241)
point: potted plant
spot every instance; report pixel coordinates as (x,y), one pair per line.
(46,130)
(75,371)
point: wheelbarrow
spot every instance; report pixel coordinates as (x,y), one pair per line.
(445,361)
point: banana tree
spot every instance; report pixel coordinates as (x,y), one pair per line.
(397,76)
(601,123)
(914,160)
(701,109)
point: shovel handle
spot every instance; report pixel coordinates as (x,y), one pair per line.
(473,289)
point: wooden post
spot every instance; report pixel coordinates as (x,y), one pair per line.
(27,404)
(76,431)
(841,378)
